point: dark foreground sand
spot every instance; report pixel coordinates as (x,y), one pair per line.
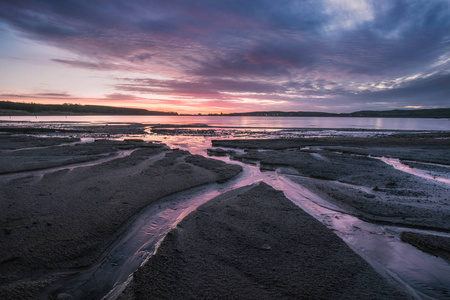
(249,244)
(256,245)
(54,222)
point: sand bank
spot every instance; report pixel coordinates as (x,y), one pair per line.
(55,222)
(77,128)
(14,142)
(340,170)
(425,147)
(346,172)
(436,245)
(58,152)
(256,244)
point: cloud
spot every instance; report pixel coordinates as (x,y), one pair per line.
(14,96)
(60,95)
(39,96)
(264,59)
(122,97)
(214,87)
(431,89)
(141,57)
(87,65)
(258,38)
(284,49)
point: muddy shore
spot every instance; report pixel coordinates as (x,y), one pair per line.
(62,203)
(349,172)
(55,222)
(256,244)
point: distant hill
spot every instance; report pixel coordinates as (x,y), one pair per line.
(283,114)
(397,113)
(416,113)
(17,108)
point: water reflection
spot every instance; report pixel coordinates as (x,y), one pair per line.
(253,122)
(435,176)
(425,276)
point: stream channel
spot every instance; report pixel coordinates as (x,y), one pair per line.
(423,275)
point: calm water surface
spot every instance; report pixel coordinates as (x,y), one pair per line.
(254,122)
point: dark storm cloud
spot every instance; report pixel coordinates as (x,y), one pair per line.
(324,48)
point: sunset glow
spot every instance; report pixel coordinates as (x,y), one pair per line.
(207,56)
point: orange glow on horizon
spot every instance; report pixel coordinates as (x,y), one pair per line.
(180,109)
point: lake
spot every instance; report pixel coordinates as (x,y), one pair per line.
(255,122)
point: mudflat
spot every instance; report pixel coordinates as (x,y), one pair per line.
(400,179)
(62,203)
(256,244)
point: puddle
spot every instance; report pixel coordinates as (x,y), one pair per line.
(397,164)
(319,156)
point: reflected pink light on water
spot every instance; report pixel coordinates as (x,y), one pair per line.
(254,122)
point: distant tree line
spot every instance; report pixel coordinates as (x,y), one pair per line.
(416,113)
(67,108)
(397,113)
(18,108)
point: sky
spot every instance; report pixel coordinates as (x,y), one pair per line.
(209,56)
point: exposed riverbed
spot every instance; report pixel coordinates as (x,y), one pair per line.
(423,275)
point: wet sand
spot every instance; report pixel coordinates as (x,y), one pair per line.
(436,245)
(256,244)
(346,172)
(56,222)
(424,147)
